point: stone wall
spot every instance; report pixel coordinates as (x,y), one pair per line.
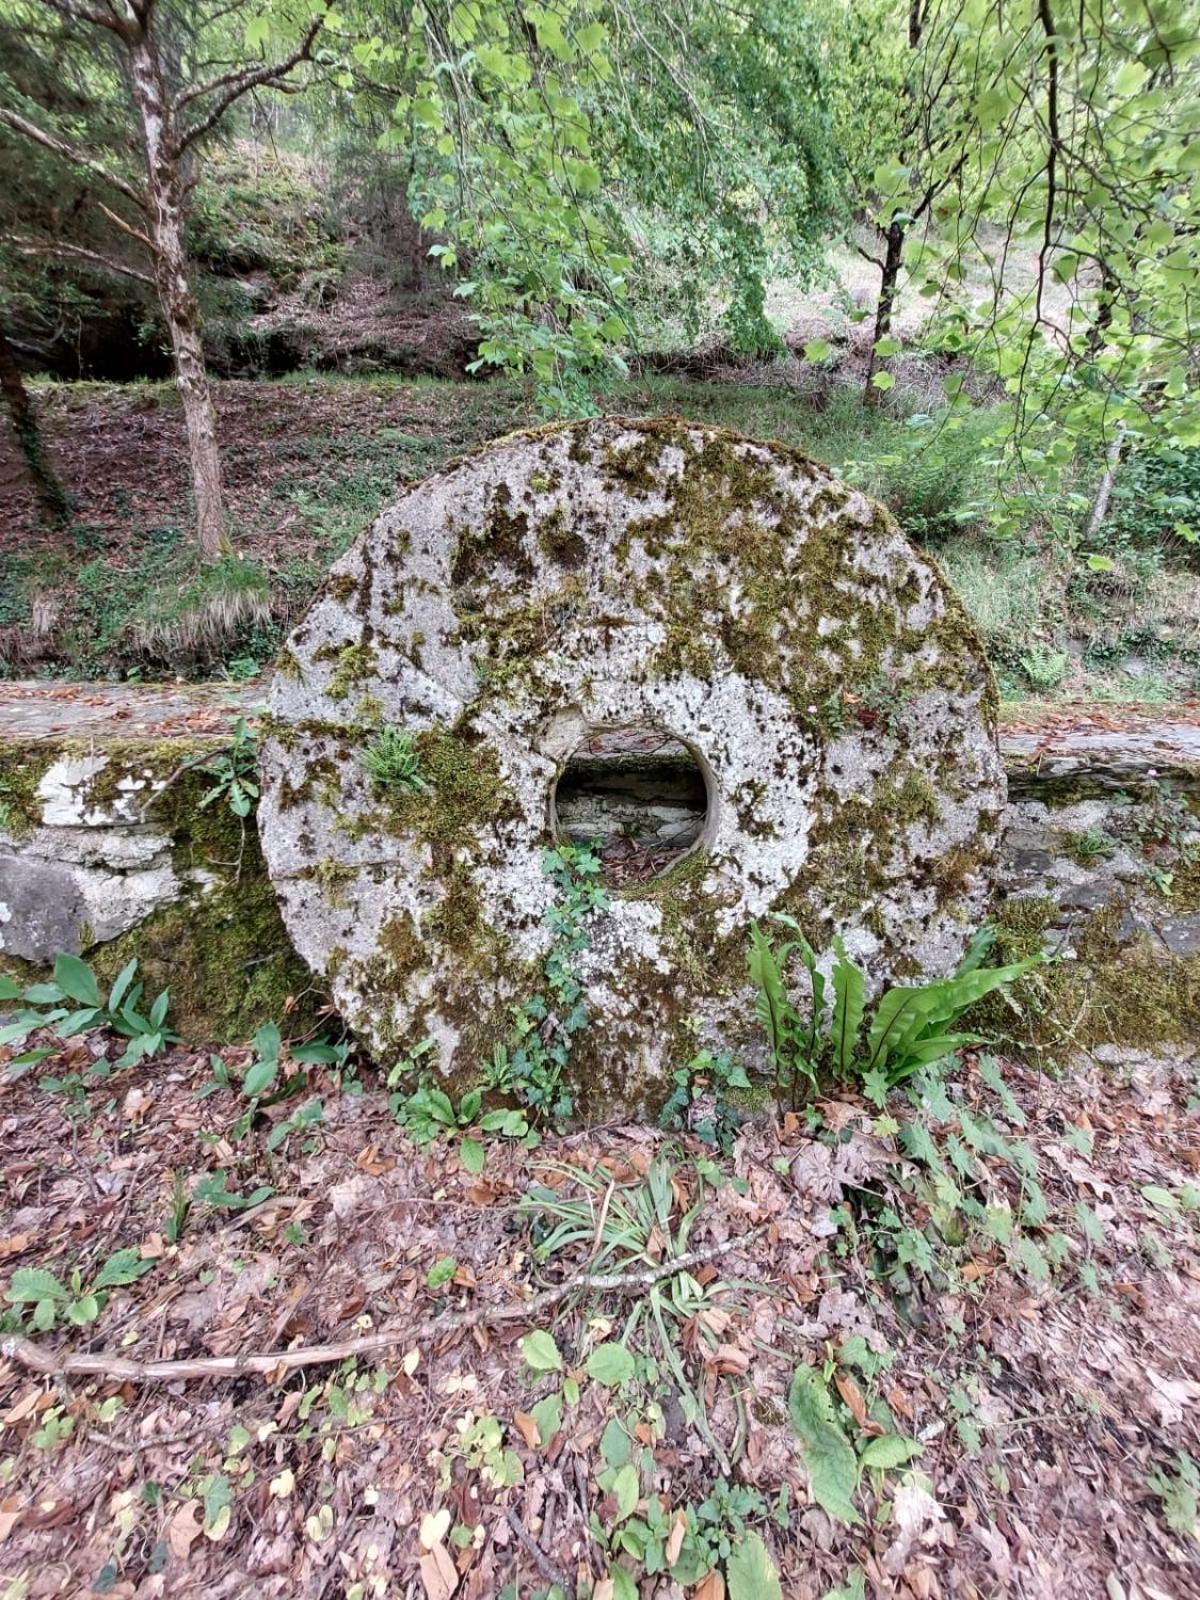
(106,848)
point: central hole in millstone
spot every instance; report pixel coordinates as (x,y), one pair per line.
(640,793)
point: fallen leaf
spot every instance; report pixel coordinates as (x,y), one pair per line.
(852,1395)
(10,1515)
(676,1538)
(711,1587)
(527,1428)
(183,1530)
(435,1525)
(27,1403)
(438,1573)
(13,1245)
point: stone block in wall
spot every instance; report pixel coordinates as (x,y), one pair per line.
(109,852)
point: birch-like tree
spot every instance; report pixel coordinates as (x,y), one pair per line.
(180,80)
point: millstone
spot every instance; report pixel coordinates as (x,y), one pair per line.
(532,601)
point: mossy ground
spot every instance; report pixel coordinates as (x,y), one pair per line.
(1110,992)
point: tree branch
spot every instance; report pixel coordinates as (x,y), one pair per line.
(272,1364)
(76,13)
(36,247)
(126,227)
(242,83)
(50,141)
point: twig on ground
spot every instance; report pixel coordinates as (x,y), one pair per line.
(541,1560)
(274,1363)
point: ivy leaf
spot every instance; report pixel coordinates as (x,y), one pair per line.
(750,1574)
(540,1351)
(883,380)
(828,1455)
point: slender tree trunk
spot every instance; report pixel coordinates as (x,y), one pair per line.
(889,283)
(53,500)
(1112,465)
(165,215)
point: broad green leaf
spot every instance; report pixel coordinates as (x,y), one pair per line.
(124,978)
(610,1364)
(31,1284)
(750,1574)
(615,1444)
(623,1586)
(883,381)
(126,1266)
(828,1455)
(260,1075)
(626,1490)
(849,1003)
(890,1450)
(76,980)
(268,1041)
(548,1415)
(540,1352)
(855,1588)
(473,1156)
(818,350)
(8,989)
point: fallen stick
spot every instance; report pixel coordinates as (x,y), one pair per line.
(274,1363)
(541,1560)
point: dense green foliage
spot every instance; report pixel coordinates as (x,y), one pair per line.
(590,180)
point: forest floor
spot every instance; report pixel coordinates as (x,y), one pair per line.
(991,1296)
(310,461)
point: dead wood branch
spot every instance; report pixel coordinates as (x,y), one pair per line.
(273,1364)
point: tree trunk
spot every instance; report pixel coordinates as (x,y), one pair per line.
(889,283)
(182,313)
(1112,465)
(53,500)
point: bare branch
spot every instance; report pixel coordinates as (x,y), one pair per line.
(242,83)
(272,1364)
(60,147)
(38,247)
(127,227)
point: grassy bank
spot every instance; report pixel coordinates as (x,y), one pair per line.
(311,460)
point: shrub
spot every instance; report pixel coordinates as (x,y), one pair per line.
(942,479)
(1156,503)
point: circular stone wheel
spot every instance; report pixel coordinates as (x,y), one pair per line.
(575,580)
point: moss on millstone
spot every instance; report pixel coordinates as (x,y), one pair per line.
(353,664)
(499,538)
(464,789)
(22,767)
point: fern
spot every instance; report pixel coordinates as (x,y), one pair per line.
(390,760)
(911,1027)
